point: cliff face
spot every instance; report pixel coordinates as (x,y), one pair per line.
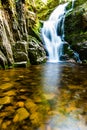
(76,29)
(17,22)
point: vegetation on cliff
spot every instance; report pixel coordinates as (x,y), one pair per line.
(76,29)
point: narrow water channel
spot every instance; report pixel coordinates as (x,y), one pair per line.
(52,96)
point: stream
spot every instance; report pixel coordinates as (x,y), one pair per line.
(51,96)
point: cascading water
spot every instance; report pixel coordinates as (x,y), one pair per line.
(53,33)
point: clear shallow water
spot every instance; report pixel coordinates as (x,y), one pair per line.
(53,94)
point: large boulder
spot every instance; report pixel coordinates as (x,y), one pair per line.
(20,56)
(36,52)
(20,46)
(20,52)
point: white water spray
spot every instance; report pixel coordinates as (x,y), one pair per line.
(53,33)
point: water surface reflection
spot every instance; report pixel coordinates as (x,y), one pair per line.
(51,77)
(44,97)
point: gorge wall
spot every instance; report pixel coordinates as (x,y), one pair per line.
(76,29)
(17,35)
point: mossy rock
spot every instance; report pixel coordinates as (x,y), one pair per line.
(20,56)
(76,30)
(76,25)
(36,52)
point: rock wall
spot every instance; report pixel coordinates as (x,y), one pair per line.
(76,29)
(16,24)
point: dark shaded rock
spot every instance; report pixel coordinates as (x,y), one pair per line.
(67,49)
(81,48)
(68,53)
(20,46)
(3,60)
(7,51)
(76,29)
(76,24)
(79,2)
(36,52)
(20,56)
(64,57)
(85,21)
(20,64)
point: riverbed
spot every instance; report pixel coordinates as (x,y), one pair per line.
(51,96)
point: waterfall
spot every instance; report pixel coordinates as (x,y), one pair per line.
(53,33)
(73,1)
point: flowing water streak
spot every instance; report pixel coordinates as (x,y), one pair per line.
(53,33)
(73,1)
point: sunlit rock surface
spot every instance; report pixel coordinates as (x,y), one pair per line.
(16,24)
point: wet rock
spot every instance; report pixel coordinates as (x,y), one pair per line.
(5,125)
(10,110)
(20,56)
(81,48)
(71,60)
(9,54)
(21,114)
(68,53)
(36,52)
(85,20)
(36,118)
(6,37)
(64,57)
(20,46)
(5,100)
(20,104)
(20,64)
(3,60)
(76,25)
(1,121)
(67,49)
(30,105)
(3,114)
(1,106)
(10,93)
(6,86)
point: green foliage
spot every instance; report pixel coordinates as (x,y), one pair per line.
(79,2)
